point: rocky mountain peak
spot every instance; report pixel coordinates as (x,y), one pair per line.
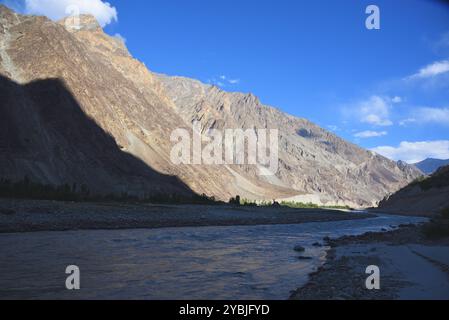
(6,15)
(4,9)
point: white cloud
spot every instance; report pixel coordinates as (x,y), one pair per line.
(374,111)
(58,9)
(407,121)
(434,115)
(428,115)
(396,100)
(413,152)
(432,70)
(370,134)
(223,81)
(377,120)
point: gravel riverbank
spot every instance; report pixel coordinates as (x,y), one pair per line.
(31,215)
(411,267)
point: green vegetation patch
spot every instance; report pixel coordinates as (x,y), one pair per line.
(290,204)
(438,228)
(445,213)
(301,205)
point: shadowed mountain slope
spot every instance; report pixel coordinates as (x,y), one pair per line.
(46,137)
(422,197)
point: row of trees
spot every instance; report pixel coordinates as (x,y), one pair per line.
(291,204)
(32,190)
(27,189)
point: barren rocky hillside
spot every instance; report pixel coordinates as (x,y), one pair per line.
(422,197)
(76,107)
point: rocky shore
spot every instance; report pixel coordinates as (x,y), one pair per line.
(32,215)
(411,265)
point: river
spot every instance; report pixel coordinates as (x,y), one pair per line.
(238,262)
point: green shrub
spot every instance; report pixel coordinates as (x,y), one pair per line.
(248,203)
(437,181)
(235,201)
(445,213)
(436,230)
(301,205)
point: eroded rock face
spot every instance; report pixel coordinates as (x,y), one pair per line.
(320,166)
(76,107)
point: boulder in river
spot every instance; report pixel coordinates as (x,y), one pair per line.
(305,258)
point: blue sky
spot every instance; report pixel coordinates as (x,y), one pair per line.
(386,89)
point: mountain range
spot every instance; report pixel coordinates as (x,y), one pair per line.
(429,166)
(78,108)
